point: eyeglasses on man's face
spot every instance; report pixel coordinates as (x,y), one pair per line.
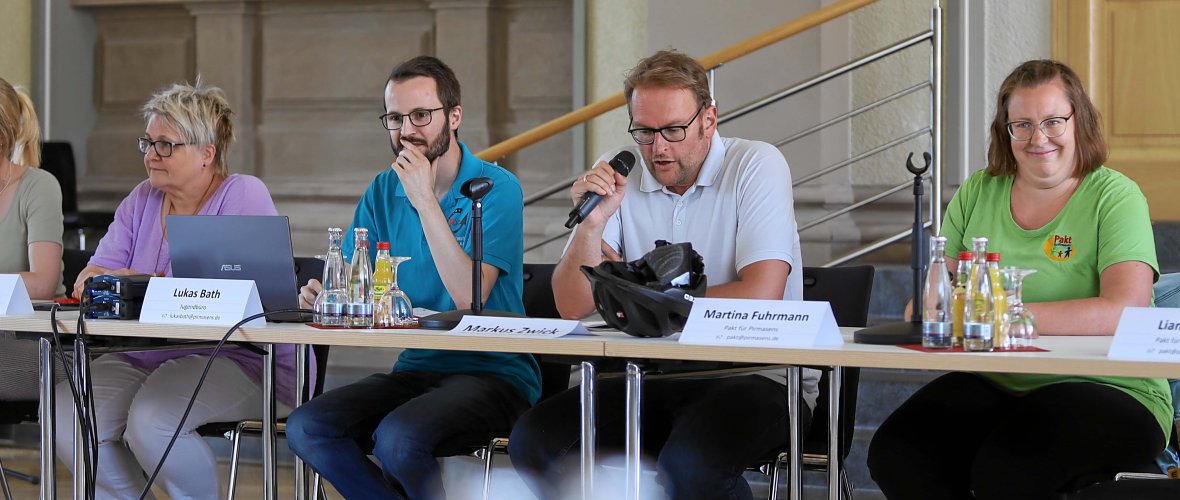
(419,117)
(1051,127)
(163,148)
(645,136)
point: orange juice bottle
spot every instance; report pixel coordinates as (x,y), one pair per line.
(959,297)
(999,300)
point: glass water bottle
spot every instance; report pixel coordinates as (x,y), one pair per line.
(360,283)
(937,300)
(979,312)
(332,300)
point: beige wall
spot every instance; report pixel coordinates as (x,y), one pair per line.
(16,41)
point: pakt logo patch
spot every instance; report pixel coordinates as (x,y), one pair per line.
(1059,247)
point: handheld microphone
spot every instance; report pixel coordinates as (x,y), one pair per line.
(622,164)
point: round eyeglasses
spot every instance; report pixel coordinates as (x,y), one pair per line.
(645,136)
(163,148)
(1051,127)
(419,117)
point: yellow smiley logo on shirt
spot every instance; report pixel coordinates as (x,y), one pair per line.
(1059,247)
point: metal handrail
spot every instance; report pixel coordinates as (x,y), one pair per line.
(841,164)
(547,241)
(836,213)
(825,76)
(551,190)
(852,114)
(872,247)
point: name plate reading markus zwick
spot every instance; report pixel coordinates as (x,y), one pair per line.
(1147,334)
(14,297)
(761,323)
(190,301)
(533,328)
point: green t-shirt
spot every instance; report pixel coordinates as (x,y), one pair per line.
(1105,222)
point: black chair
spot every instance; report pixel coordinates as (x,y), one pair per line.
(57,158)
(848,290)
(72,263)
(11,413)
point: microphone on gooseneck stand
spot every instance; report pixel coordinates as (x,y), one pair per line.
(474,189)
(622,164)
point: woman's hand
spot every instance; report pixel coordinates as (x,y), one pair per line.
(93,270)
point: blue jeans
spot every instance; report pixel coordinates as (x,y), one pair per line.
(402,418)
(704,433)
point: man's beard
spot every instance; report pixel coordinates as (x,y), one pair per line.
(434,149)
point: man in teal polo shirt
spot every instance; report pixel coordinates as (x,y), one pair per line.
(430,397)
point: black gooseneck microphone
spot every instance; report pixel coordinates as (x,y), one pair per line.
(474,189)
(622,164)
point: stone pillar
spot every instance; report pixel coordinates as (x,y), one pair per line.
(226,49)
(464,38)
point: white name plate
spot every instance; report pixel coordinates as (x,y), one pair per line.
(191,301)
(14,297)
(1147,334)
(761,323)
(532,328)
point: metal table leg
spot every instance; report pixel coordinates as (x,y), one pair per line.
(795,477)
(302,394)
(48,423)
(270,483)
(589,431)
(834,449)
(81,363)
(634,428)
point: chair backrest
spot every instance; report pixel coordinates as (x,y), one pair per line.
(848,290)
(307,268)
(57,158)
(538,291)
(72,263)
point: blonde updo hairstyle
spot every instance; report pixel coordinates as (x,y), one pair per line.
(199,113)
(20,134)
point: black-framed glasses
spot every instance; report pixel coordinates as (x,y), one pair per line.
(419,117)
(1052,127)
(645,136)
(163,148)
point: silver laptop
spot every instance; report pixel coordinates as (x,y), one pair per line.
(241,247)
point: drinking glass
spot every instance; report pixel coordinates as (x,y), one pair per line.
(1022,325)
(395,308)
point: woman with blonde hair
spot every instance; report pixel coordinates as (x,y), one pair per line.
(30,200)
(140,397)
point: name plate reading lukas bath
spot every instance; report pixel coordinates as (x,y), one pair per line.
(14,297)
(191,301)
(761,323)
(1147,334)
(517,328)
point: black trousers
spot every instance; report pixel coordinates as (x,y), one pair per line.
(703,433)
(962,437)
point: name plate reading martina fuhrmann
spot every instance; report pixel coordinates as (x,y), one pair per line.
(1147,334)
(532,328)
(191,301)
(14,297)
(761,323)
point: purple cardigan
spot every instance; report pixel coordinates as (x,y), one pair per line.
(135,240)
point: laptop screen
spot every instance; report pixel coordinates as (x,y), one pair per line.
(240,247)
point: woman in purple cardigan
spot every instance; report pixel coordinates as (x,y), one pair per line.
(139,397)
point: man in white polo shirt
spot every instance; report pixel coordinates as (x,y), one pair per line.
(731,198)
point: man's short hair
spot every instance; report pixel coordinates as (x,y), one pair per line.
(669,69)
(430,67)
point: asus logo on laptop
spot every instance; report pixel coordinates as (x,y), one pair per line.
(231,267)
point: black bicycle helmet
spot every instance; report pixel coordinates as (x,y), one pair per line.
(651,296)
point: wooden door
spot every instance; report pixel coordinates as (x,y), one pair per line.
(1127,53)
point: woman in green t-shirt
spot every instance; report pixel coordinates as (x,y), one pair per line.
(1045,202)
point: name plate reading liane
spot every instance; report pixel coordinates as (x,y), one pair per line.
(532,328)
(1147,334)
(761,323)
(14,297)
(191,301)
